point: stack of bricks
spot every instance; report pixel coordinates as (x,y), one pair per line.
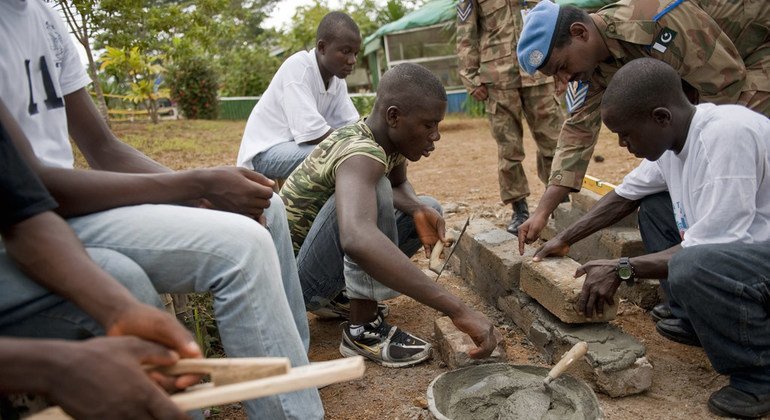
(540,298)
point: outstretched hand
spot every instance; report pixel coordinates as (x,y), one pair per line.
(530,230)
(238,190)
(152,324)
(599,287)
(103,378)
(553,248)
(481,330)
(430,227)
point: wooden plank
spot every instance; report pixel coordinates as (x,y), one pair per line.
(206,395)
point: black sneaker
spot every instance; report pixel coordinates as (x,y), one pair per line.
(339,307)
(384,344)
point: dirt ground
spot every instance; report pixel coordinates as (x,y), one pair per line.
(462,170)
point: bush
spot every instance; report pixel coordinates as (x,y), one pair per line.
(194,88)
(363,104)
(474,108)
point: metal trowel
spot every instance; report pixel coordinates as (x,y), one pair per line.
(435,263)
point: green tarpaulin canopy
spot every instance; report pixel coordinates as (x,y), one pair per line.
(430,13)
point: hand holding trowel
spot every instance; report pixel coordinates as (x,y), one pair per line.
(436,264)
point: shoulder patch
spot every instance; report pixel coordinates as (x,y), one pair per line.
(464,8)
(577,91)
(664,39)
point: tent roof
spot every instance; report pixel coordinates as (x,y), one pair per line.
(431,13)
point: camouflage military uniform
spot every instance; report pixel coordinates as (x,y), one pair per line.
(487,32)
(703,51)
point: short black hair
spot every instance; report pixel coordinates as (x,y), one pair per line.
(641,86)
(406,85)
(567,16)
(333,24)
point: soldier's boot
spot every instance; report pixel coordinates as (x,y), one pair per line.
(520,215)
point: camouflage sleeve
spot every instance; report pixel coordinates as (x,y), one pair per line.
(468,50)
(702,54)
(577,140)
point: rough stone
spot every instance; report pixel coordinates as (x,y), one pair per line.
(629,381)
(611,352)
(454,346)
(552,283)
(584,200)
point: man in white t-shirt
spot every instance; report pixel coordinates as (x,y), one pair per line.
(306,100)
(715,162)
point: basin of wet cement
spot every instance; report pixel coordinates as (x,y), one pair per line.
(504,391)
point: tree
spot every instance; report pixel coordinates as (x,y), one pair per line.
(79,15)
(142,72)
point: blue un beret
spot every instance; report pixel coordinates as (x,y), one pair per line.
(535,41)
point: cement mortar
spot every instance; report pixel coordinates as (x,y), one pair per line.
(503,391)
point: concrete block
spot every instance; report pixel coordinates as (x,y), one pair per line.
(584,200)
(454,346)
(551,282)
(621,242)
(645,293)
(488,258)
(634,379)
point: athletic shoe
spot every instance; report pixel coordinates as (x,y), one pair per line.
(339,307)
(384,344)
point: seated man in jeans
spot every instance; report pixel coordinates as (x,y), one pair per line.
(715,162)
(355,221)
(306,100)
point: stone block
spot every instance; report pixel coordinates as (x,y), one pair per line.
(634,379)
(621,242)
(584,200)
(552,283)
(454,346)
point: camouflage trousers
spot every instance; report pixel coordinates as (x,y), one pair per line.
(544,116)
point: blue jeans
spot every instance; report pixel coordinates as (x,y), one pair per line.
(325,270)
(184,250)
(659,232)
(724,290)
(279,161)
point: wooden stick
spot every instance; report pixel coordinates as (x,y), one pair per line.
(576,352)
(313,375)
(229,370)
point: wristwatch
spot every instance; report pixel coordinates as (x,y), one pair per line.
(625,271)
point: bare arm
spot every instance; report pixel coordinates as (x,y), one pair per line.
(429,223)
(80,192)
(98,144)
(607,211)
(73,375)
(47,250)
(357,178)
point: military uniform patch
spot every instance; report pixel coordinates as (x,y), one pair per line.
(664,39)
(464,8)
(577,91)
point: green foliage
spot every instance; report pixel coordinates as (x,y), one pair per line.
(247,71)
(202,323)
(474,108)
(139,72)
(363,104)
(194,86)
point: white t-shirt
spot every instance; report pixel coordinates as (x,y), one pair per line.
(296,106)
(38,67)
(720,181)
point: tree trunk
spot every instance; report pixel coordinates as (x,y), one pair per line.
(101,103)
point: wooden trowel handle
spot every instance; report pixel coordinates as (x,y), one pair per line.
(576,352)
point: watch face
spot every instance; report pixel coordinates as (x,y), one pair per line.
(625,272)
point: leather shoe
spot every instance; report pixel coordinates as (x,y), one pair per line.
(732,402)
(678,330)
(661,311)
(520,215)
